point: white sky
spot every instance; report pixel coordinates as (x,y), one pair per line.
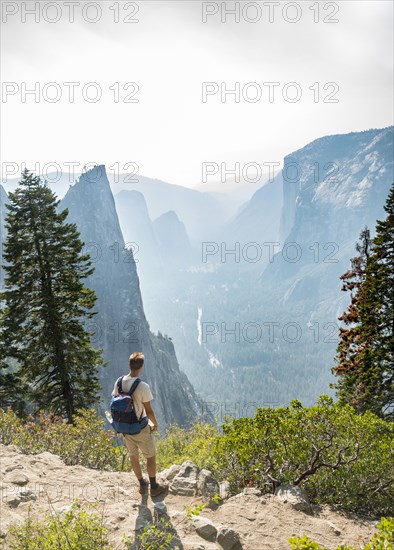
(169,53)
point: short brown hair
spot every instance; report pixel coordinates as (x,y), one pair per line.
(136,360)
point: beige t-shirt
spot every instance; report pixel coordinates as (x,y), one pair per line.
(141,395)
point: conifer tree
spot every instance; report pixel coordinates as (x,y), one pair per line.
(377,313)
(365,360)
(44,305)
(351,338)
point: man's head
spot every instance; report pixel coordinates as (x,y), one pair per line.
(136,361)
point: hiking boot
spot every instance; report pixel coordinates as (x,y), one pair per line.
(158,490)
(143,487)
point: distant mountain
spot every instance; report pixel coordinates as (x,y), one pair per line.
(259,219)
(200,212)
(343,185)
(173,239)
(267,330)
(120,326)
(138,232)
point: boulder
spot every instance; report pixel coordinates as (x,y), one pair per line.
(205,528)
(17,478)
(171,472)
(296,496)
(23,496)
(160,507)
(185,482)
(207,486)
(227,539)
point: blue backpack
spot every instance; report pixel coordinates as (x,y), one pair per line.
(124,417)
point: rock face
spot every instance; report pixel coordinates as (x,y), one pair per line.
(332,188)
(120,326)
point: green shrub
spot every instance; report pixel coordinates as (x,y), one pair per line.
(74,530)
(380,541)
(384,540)
(157,536)
(85,442)
(182,444)
(339,457)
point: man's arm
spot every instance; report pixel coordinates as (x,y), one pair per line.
(151,415)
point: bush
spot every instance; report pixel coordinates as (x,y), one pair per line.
(339,457)
(74,530)
(381,541)
(157,536)
(182,444)
(85,442)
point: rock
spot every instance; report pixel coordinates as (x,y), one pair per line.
(24,496)
(227,538)
(185,482)
(224,489)
(171,472)
(207,486)
(14,467)
(160,507)
(251,491)
(336,530)
(296,496)
(205,528)
(17,478)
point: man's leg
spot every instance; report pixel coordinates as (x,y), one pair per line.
(135,464)
(151,466)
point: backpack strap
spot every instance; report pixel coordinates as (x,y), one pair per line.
(132,390)
(119,384)
(133,387)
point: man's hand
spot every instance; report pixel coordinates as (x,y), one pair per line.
(151,415)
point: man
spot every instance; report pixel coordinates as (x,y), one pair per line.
(145,440)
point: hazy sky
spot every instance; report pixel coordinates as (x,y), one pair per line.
(169,53)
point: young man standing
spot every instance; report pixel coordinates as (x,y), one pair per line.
(145,440)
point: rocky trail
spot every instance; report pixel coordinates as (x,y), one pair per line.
(245,521)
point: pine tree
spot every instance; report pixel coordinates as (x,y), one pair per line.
(377,313)
(45,305)
(365,360)
(351,338)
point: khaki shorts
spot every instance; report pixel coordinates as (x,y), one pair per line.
(144,441)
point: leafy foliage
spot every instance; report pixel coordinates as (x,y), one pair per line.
(45,302)
(380,541)
(182,444)
(156,536)
(85,442)
(76,529)
(337,455)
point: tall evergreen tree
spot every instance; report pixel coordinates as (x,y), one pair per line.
(365,360)
(377,312)
(45,304)
(351,338)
